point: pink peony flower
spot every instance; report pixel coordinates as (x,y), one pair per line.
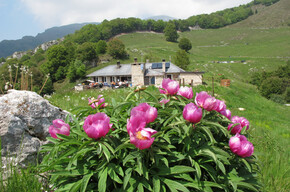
(185,92)
(59,127)
(139,135)
(241,121)
(171,87)
(227,113)
(205,101)
(192,113)
(146,111)
(97,102)
(97,125)
(239,145)
(219,106)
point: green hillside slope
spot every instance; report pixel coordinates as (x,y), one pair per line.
(276,15)
(261,49)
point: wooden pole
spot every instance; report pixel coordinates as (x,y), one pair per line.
(212,86)
(31,81)
(10,75)
(183,82)
(1,89)
(191,83)
(44,83)
(15,75)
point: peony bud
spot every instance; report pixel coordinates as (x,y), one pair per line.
(192,113)
(239,145)
(146,111)
(227,113)
(205,101)
(171,87)
(185,92)
(97,125)
(59,127)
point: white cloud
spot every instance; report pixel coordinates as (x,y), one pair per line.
(56,12)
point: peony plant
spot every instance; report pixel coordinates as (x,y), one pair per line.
(160,140)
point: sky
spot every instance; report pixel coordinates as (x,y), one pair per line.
(20,18)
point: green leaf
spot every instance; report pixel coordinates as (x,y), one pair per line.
(247,186)
(113,174)
(174,185)
(247,164)
(67,173)
(85,182)
(102,183)
(106,151)
(148,93)
(156,184)
(178,169)
(124,146)
(209,134)
(207,152)
(140,187)
(198,171)
(221,166)
(128,173)
(76,186)
(131,156)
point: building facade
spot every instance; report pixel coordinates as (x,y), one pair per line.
(145,74)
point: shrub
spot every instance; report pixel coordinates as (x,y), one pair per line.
(148,145)
(272,85)
(287,95)
(185,44)
(277,98)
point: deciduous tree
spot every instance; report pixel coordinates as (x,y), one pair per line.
(184,44)
(170,32)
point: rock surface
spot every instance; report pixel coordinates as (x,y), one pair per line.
(24,120)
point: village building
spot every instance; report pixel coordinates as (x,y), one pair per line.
(145,74)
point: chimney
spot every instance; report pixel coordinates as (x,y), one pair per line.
(163,65)
(118,65)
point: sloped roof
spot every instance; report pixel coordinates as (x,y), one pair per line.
(113,70)
(125,70)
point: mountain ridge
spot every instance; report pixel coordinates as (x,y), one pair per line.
(8,47)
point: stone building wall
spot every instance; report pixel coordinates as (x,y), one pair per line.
(137,75)
(196,77)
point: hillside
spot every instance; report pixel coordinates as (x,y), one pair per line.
(276,15)
(8,47)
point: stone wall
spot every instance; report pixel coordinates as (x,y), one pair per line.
(137,74)
(196,77)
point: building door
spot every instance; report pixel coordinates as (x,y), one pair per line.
(152,81)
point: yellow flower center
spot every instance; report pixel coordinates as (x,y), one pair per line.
(140,136)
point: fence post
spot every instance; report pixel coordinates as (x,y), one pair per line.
(212,78)
(183,82)
(191,83)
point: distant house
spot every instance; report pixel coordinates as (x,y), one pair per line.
(145,73)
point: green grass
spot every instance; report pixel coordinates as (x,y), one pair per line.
(262,49)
